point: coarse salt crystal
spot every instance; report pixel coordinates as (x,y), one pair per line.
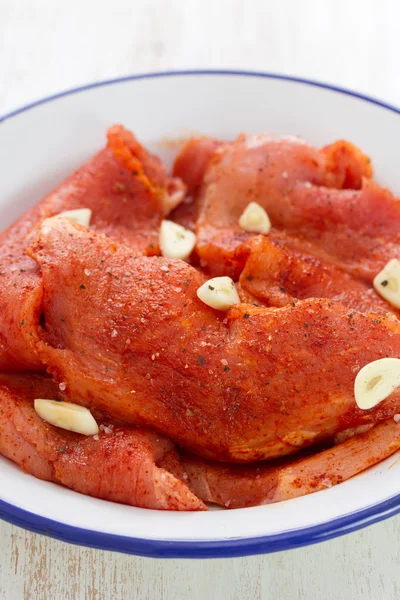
(105,428)
(326,483)
(396,418)
(87,272)
(114,333)
(285,175)
(224,362)
(164,268)
(63,386)
(307,184)
(96,437)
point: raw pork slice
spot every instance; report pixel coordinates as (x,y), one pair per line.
(119,464)
(320,202)
(238,486)
(129,336)
(127,190)
(275,276)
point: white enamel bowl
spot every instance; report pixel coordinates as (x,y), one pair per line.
(42,143)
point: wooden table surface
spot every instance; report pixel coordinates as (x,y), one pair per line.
(47,46)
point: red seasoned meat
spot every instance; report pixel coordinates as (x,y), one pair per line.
(129,336)
(120,464)
(127,190)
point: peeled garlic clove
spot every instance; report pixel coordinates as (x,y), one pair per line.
(81,216)
(376,381)
(387,282)
(176,241)
(66,415)
(255,219)
(219,293)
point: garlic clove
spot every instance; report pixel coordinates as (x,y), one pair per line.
(387,282)
(66,415)
(376,381)
(219,293)
(81,216)
(255,219)
(176,241)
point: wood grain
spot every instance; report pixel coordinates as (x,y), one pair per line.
(49,46)
(361,565)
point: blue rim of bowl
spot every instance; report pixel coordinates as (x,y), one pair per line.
(204,548)
(228,548)
(196,72)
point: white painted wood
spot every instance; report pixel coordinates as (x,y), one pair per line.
(47,46)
